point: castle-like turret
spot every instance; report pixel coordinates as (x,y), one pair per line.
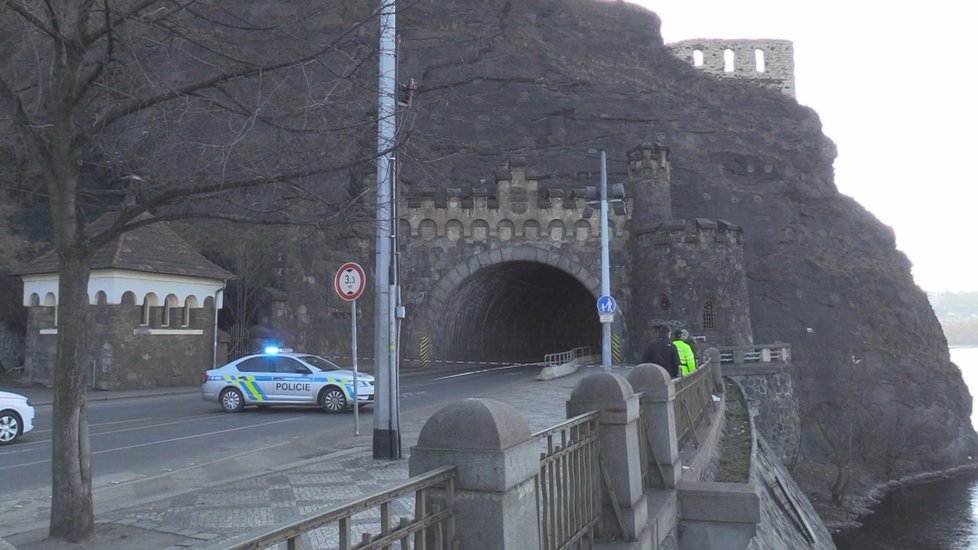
(692,271)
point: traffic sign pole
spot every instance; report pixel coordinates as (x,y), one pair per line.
(605,262)
(349,283)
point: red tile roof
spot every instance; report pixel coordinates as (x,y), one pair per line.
(152,248)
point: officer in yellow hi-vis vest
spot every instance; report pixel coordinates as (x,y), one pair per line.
(686,359)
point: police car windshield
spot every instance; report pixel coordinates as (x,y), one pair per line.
(319,362)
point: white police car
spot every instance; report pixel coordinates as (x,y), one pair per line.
(285,378)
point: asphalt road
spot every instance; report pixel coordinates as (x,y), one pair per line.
(134,438)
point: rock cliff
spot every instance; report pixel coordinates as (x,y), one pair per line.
(550,79)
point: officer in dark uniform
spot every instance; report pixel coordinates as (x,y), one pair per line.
(662,351)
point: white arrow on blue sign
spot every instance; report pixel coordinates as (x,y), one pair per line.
(607,305)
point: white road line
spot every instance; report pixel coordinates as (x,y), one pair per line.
(161,441)
(478,372)
(90,426)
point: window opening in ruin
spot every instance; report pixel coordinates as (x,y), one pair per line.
(728,61)
(100,298)
(759,60)
(709,315)
(697,58)
(664,302)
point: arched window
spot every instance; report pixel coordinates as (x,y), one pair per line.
(582,230)
(149,302)
(129,298)
(759,61)
(100,298)
(709,315)
(189,305)
(728,61)
(697,58)
(169,304)
(35,300)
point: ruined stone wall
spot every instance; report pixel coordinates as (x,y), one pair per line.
(769,63)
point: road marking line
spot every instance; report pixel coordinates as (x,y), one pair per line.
(103,451)
(480,371)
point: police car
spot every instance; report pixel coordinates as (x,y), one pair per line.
(285,378)
(16,416)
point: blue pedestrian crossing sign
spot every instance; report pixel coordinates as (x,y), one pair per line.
(607,305)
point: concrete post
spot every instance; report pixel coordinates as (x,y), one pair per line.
(659,416)
(713,355)
(612,396)
(497,459)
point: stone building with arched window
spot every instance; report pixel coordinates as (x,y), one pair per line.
(153,301)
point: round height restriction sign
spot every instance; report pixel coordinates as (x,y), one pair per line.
(350,281)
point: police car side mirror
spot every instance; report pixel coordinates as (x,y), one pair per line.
(303,370)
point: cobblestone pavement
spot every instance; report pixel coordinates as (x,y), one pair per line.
(205,517)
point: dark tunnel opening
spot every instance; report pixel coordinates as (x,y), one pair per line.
(518,312)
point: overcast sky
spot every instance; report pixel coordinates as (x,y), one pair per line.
(895,90)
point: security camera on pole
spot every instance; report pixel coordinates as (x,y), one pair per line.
(607,306)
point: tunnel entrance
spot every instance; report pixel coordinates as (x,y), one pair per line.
(517,311)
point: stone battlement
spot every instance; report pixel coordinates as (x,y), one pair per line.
(518,208)
(699,230)
(650,161)
(770,63)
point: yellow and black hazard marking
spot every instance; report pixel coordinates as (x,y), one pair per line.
(425,351)
(247,385)
(616,348)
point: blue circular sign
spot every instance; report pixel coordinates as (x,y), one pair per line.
(607,305)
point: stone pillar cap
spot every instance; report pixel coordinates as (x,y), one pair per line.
(602,386)
(652,380)
(484,424)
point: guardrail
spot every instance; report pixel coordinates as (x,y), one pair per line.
(564,357)
(693,395)
(569,484)
(433,525)
(760,353)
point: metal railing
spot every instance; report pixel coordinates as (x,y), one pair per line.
(693,395)
(761,353)
(564,357)
(569,484)
(432,527)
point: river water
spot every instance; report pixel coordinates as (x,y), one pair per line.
(942,515)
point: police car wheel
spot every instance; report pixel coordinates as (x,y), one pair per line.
(231,400)
(9,427)
(332,400)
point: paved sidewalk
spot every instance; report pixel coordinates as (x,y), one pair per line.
(205,517)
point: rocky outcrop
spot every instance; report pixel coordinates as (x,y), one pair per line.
(548,80)
(552,80)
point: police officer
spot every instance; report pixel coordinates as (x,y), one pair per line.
(686,357)
(662,352)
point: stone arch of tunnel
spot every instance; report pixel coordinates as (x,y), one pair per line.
(516,311)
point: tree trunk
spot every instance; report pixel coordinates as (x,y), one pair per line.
(72,512)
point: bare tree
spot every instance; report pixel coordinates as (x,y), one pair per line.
(187,108)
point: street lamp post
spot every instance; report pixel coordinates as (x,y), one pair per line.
(386,437)
(606,304)
(605,263)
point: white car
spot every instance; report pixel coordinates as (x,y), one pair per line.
(285,378)
(16,416)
